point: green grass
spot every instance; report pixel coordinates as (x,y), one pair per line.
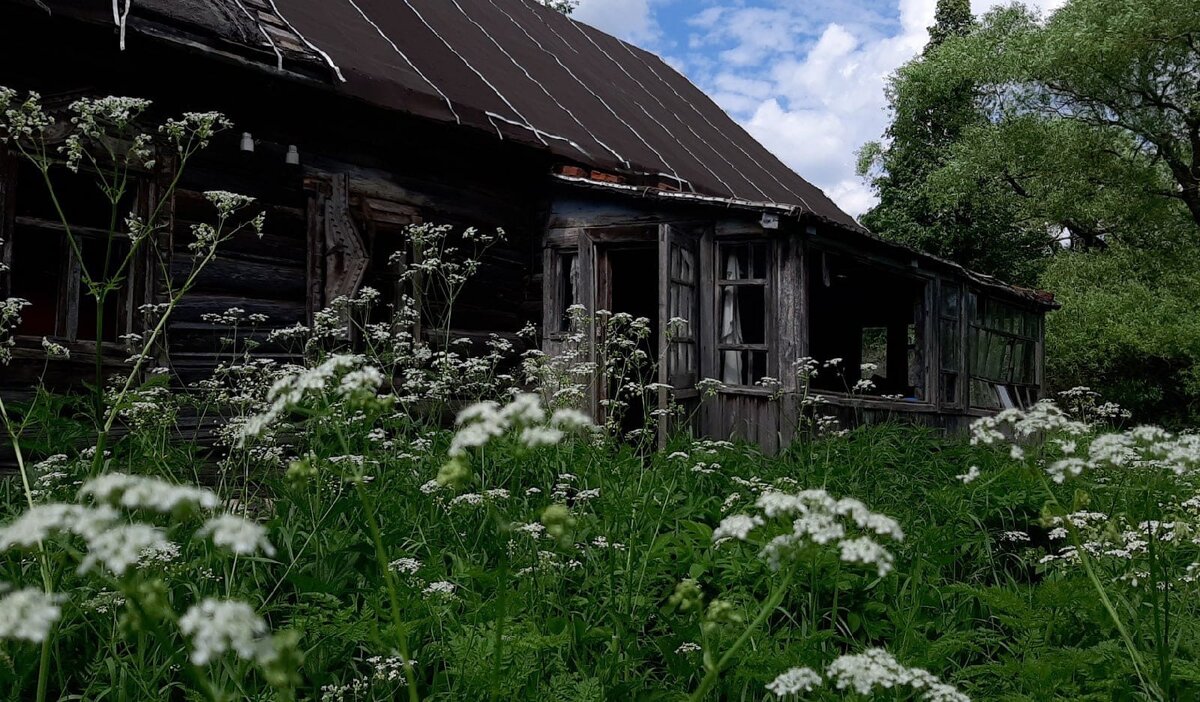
(591,622)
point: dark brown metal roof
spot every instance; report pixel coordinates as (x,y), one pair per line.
(518,69)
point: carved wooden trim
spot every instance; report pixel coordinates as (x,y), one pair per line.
(345,253)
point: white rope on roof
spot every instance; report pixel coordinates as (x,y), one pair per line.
(538,84)
(715,128)
(620,158)
(637,134)
(121,18)
(474,70)
(646,90)
(337,71)
(407,60)
(252,18)
(492,116)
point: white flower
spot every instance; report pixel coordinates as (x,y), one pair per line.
(405,566)
(794,681)
(54,350)
(366,379)
(239,535)
(141,492)
(570,419)
(687,647)
(40,522)
(876,668)
(867,551)
(217,626)
(441,589)
(534,437)
(736,526)
(121,546)
(970,476)
(28,615)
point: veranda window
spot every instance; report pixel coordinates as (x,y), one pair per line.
(867,328)
(742,296)
(950,314)
(1003,350)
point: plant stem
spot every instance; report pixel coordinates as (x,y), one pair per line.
(714,671)
(47,582)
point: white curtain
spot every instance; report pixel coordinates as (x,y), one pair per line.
(731,323)
(574,280)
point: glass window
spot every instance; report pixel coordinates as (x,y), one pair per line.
(742,312)
(1004,346)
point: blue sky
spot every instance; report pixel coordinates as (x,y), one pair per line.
(806,77)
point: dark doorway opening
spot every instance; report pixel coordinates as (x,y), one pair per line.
(630,285)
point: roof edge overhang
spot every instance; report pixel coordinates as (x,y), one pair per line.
(1037,298)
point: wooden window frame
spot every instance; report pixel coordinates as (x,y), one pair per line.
(926,324)
(766,283)
(68,303)
(976,326)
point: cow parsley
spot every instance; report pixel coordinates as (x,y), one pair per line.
(28,615)
(217,626)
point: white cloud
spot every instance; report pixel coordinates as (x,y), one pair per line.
(805,77)
(813,98)
(630,20)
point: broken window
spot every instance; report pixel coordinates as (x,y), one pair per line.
(384,225)
(52,273)
(866,328)
(950,363)
(742,305)
(682,369)
(1003,353)
(561,288)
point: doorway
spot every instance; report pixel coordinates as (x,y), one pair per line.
(628,282)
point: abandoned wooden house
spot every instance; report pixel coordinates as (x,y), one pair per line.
(621,186)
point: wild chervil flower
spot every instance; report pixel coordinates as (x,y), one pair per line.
(217,626)
(141,492)
(236,534)
(121,546)
(794,681)
(28,615)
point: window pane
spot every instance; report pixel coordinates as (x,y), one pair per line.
(743,367)
(687,266)
(983,394)
(37,267)
(874,352)
(951,345)
(758,260)
(742,315)
(951,299)
(950,388)
(93,261)
(752,314)
(568,290)
(734,262)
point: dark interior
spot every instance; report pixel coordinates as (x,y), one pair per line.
(865,314)
(633,282)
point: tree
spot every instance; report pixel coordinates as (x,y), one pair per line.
(564,6)
(931,111)
(1084,127)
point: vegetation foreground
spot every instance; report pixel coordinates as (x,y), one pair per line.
(542,565)
(335,543)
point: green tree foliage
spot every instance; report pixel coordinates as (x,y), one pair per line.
(933,109)
(564,6)
(1069,145)
(1129,327)
(1018,130)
